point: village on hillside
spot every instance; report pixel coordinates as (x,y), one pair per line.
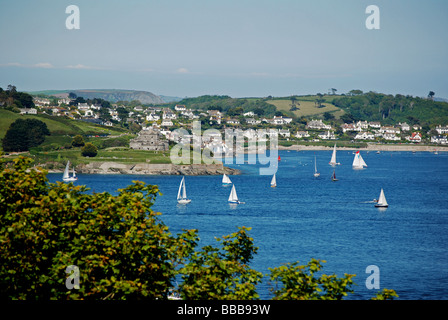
(162,121)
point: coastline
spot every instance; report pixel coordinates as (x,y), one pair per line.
(151,169)
(370,147)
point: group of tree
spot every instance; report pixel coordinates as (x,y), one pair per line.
(24,134)
(372,106)
(123,250)
(12,100)
(87,149)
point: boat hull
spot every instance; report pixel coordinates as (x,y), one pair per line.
(227,184)
(381,205)
(234,202)
(184,201)
(69,179)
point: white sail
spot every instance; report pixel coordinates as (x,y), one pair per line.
(182,193)
(333,156)
(226,179)
(382,200)
(316,174)
(233,196)
(179,197)
(66,174)
(358,161)
(74,172)
(273,181)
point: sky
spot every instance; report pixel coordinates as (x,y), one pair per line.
(240,48)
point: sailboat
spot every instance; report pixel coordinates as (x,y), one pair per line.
(382,203)
(316,174)
(182,198)
(66,177)
(273,181)
(226,180)
(358,161)
(333,176)
(333,157)
(233,198)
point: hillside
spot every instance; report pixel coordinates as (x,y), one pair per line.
(112,95)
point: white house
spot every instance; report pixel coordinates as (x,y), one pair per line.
(365,136)
(318,124)
(391,137)
(327,135)
(375,124)
(442,130)
(168,114)
(180,107)
(284,133)
(152,117)
(404,126)
(28,111)
(302,134)
(415,137)
(233,121)
(249,114)
(83,106)
(281,120)
(167,123)
(439,139)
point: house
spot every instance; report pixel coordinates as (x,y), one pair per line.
(249,114)
(442,130)
(350,127)
(166,123)
(252,121)
(28,111)
(415,137)
(108,124)
(391,130)
(363,125)
(439,139)
(404,126)
(284,133)
(280,120)
(233,121)
(391,137)
(318,124)
(180,107)
(365,136)
(302,134)
(375,124)
(152,117)
(149,140)
(138,108)
(41,102)
(326,135)
(168,114)
(83,106)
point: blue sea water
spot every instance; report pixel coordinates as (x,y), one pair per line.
(307,217)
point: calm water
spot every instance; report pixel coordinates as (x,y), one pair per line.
(307,217)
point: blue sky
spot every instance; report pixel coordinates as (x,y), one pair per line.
(240,48)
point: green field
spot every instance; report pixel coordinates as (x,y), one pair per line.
(56,125)
(307,107)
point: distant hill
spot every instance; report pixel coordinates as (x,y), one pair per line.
(112,95)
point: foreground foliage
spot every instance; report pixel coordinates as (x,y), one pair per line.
(124,251)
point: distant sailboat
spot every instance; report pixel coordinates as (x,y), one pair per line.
(233,198)
(382,203)
(66,176)
(333,176)
(316,174)
(279,159)
(273,181)
(226,180)
(333,157)
(182,193)
(358,161)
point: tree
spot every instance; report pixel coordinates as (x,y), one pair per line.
(119,244)
(24,134)
(333,90)
(431,95)
(123,250)
(89,150)
(78,141)
(72,95)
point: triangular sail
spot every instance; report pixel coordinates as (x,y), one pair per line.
(180,189)
(233,196)
(382,200)
(333,156)
(273,181)
(184,190)
(66,174)
(226,179)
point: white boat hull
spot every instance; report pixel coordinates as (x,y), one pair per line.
(69,179)
(184,201)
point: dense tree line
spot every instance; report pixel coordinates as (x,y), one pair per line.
(24,134)
(12,100)
(231,106)
(391,109)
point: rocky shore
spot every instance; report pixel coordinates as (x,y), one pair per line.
(152,169)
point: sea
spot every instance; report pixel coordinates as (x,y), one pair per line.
(306,217)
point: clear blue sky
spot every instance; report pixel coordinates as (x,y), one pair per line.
(236,47)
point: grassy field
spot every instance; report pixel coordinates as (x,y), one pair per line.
(307,106)
(56,125)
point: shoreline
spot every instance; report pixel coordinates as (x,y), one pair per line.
(370,147)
